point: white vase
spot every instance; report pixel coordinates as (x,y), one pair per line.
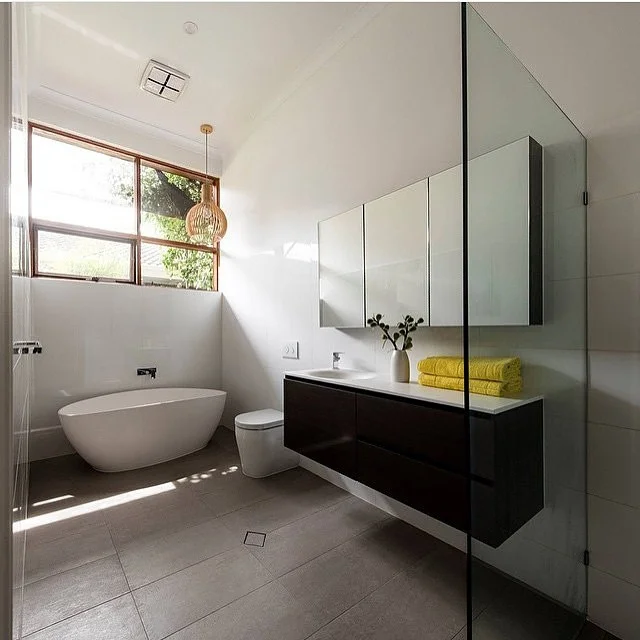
(399,366)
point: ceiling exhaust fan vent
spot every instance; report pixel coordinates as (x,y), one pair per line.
(163,81)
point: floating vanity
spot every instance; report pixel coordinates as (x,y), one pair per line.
(409,442)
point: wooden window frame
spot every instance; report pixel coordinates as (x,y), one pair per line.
(136,240)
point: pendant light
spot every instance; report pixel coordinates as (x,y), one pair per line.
(205,221)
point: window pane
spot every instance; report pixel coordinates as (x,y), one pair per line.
(166,200)
(173,267)
(67,255)
(73,184)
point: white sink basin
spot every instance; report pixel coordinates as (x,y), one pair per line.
(341,374)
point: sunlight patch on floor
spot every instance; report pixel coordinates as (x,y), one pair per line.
(89,507)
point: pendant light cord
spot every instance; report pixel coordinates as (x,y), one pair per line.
(206,155)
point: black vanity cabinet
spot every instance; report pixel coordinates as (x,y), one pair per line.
(320,423)
(416,453)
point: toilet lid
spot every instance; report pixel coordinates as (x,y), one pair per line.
(264,419)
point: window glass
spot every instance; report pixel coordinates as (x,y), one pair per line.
(86,209)
(80,256)
(166,200)
(79,185)
(177,267)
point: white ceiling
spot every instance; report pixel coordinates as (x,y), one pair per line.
(248,57)
(584,54)
(243,60)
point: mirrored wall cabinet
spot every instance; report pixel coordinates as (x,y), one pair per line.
(402,253)
(395,254)
(341,270)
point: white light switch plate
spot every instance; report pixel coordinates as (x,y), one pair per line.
(290,350)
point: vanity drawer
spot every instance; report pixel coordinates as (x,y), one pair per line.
(438,493)
(422,432)
(320,423)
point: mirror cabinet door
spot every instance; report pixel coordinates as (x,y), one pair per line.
(396,280)
(505,236)
(341,270)
(445,248)
(505,239)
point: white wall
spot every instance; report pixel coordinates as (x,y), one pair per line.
(100,125)
(95,336)
(384,112)
(614,395)
(381,114)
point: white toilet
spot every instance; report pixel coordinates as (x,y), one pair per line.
(260,436)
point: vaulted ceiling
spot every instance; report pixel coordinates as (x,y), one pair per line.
(585,54)
(243,60)
(247,58)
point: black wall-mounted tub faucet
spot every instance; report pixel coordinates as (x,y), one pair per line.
(148,371)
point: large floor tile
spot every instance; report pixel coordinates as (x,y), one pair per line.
(282,509)
(269,613)
(65,594)
(421,604)
(61,524)
(393,544)
(301,541)
(114,620)
(227,489)
(188,595)
(170,512)
(338,579)
(225,438)
(67,553)
(152,558)
(520,613)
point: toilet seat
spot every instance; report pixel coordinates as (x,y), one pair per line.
(260,420)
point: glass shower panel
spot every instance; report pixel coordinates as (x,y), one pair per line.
(21,302)
(525,172)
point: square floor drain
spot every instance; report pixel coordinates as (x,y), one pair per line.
(255,539)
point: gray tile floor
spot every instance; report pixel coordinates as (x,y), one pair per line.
(159,553)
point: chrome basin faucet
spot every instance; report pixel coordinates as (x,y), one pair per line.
(336,359)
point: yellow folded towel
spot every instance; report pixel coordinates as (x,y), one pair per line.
(480,368)
(484,387)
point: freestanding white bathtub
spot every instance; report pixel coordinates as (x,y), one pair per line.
(133,429)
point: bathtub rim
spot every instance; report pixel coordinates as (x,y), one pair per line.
(74,410)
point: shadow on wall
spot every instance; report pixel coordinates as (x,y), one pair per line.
(247,385)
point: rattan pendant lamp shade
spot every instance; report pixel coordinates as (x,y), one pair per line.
(205,221)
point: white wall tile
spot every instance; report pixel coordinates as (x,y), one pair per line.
(614,155)
(561,577)
(95,335)
(614,313)
(564,322)
(614,531)
(614,464)
(614,236)
(565,244)
(614,388)
(561,525)
(566,451)
(613,605)
(614,394)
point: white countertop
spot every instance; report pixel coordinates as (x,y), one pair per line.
(415,391)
